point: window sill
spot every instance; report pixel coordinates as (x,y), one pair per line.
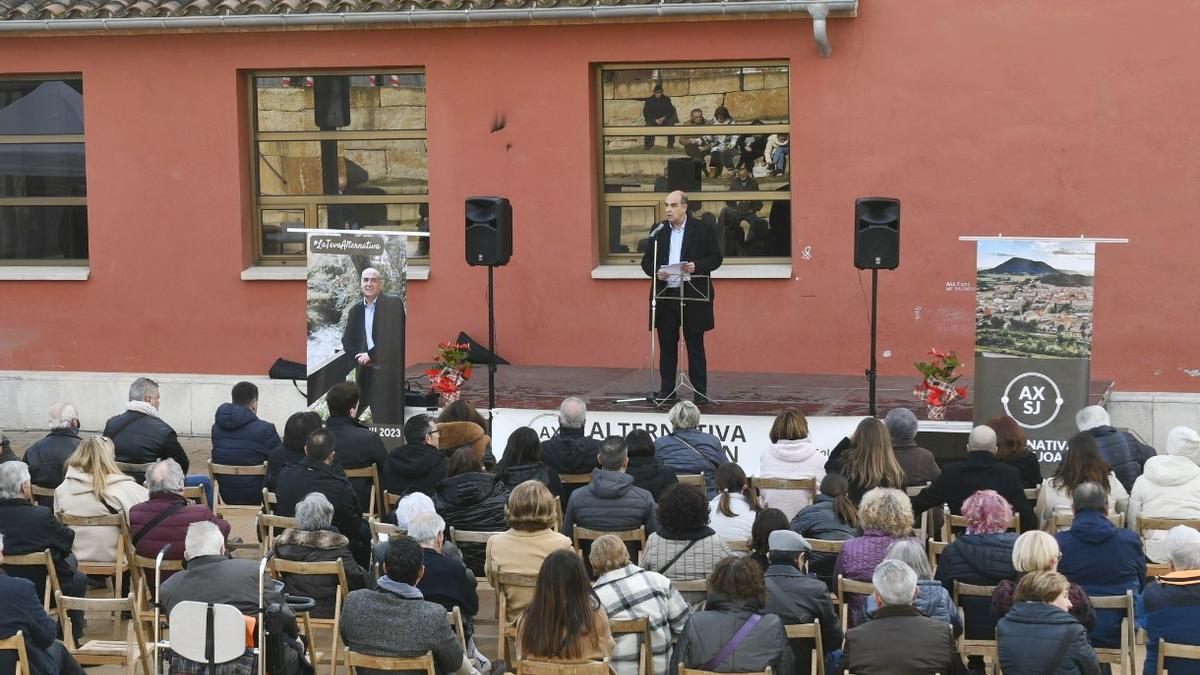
(45,273)
(298,273)
(765,271)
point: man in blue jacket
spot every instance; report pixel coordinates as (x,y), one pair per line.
(1124,453)
(23,612)
(240,438)
(1170,607)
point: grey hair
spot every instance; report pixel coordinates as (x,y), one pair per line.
(909,552)
(141,388)
(1183,548)
(62,414)
(425,527)
(165,475)
(572,413)
(314,512)
(613,453)
(1089,496)
(1091,417)
(684,415)
(901,424)
(12,476)
(895,583)
(410,506)
(203,538)
(982,439)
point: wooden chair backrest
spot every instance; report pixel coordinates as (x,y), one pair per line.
(826,545)
(1031,494)
(131,468)
(391,500)
(579,534)
(16,643)
(269,526)
(136,644)
(454,618)
(397,664)
(279,567)
(1175,651)
(738,545)
(696,480)
(373,473)
(1127,651)
(468,537)
(39,491)
(378,527)
(809,485)
(195,493)
(38,559)
(575,478)
(850,586)
(640,627)
(269,500)
(813,632)
(691,585)
(106,520)
(936,549)
(696,671)
(1145,524)
(530,667)
(218,470)
(1063,520)
(503,630)
(952,522)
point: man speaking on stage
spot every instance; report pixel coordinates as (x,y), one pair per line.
(374,339)
(684,242)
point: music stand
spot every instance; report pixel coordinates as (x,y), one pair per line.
(680,293)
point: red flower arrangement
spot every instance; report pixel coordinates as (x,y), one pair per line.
(451,371)
(938,390)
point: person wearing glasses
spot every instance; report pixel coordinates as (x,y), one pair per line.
(418,465)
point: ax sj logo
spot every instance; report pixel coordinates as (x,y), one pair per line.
(1027,399)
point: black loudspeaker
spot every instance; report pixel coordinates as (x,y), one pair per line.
(876,233)
(331,101)
(489,231)
(683,173)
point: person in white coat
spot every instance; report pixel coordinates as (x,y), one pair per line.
(791,455)
(1082,463)
(1169,487)
(94,486)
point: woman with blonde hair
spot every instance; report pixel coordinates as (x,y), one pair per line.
(532,534)
(866,459)
(1034,551)
(94,486)
(791,455)
(886,517)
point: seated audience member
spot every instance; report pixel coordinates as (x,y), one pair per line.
(6,451)
(1012,448)
(462,411)
(316,473)
(899,639)
(357,446)
(571,449)
(776,154)
(932,600)
(165,517)
(766,522)
(790,455)
(796,597)
(24,613)
(394,619)
(979,471)
(142,437)
(95,487)
(454,436)
(1038,551)
(471,500)
(408,508)
(684,548)
(522,461)
(736,593)
(866,460)
(648,471)
(917,463)
(1081,463)
(446,581)
(697,147)
(240,438)
(1102,558)
(1169,608)
(313,540)
(212,576)
(687,450)
(1169,488)
(886,517)
(833,517)
(1038,635)
(418,465)
(29,528)
(628,592)
(564,621)
(611,502)
(733,511)
(1123,452)
(295,432)
(531,536)
(47,457)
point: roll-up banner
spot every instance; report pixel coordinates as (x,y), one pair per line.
(356,318)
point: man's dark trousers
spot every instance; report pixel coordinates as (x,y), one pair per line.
(668,347)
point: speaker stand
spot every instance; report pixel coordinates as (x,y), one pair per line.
(492,344)
(871,371)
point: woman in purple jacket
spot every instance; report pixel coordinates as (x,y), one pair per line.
(886,517)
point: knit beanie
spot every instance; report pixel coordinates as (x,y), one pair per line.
(1185,442)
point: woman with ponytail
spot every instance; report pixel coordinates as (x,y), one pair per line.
(833,517)
(734,508)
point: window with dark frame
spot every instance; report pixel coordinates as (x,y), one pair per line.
(43,183)
(338,150)
(718,131)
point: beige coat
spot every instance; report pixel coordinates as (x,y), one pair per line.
(1054,499)
(519,552)
(74,496)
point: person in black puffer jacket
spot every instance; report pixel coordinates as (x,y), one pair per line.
(570,450)
(522,461)
(295,433)
(139,435)
(357,446)
(418,465)
(648,471)
(469,499)
(314,540)
(1039,636)
(240,438)
(1124,453)
(832,517)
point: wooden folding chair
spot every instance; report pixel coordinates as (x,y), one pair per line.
(952,523)
(269,501)
(913,491)
(134,470)
(141,580)
(696,480)
(115,569)
(738,545)
(1031,494)
(371,472)
(936,549)
(531,667)
(759,483)
(582,534)
(16,643)
(390,501)
(460,537)
(1172,650)
(850,587)
(1145,525)
(454,618)
(269,527)
(195,493)
(985,648)
(641,629)
(381,528)
(505,631)
(1124,655)
(280,567)
(40,493)
(696,671)
(1064,520)
(41,559)
(810,631)
(391,664)
(132,650)
(221,508)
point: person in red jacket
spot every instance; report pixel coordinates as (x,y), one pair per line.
(164,519)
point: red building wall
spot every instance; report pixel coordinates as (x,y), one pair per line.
(1021,118)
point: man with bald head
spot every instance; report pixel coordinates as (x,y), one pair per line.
(685,241)
(979,471)
(47,458)
(374,339)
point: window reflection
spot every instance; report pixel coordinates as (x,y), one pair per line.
(43,232)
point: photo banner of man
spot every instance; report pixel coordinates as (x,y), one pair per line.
(1033,337)
(356,319)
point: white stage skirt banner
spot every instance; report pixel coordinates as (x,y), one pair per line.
(744,437)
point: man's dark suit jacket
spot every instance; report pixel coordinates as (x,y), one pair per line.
(979,471)
(384,390)
(700,246)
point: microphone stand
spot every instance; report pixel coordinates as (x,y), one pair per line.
(650,396)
